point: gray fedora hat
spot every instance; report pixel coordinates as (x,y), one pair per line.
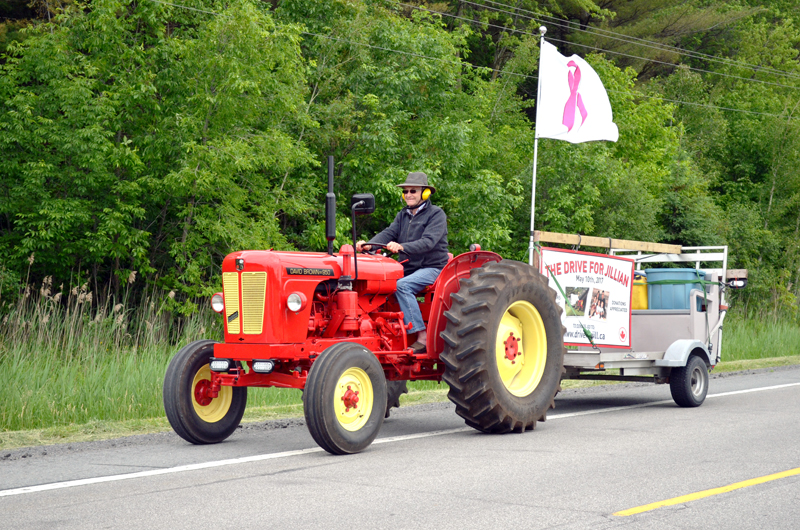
(417,179)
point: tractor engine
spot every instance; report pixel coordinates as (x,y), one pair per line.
(282,309)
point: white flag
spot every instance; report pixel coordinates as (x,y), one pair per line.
(573,104)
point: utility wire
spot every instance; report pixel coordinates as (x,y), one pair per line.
(515,30)
(489,69)
(732,76)
(536,77)
(631,40)
(185,7)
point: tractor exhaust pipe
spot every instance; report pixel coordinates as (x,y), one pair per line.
(330,209)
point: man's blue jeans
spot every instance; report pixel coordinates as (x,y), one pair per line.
(407,289)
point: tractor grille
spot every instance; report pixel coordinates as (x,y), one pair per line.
(230,290)
(247,317)
(254,290)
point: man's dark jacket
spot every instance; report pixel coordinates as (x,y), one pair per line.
(423,236)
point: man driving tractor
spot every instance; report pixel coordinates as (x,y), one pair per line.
(418,235)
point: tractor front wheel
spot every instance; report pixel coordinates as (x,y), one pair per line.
(345,398)
(193,413)
(504,350)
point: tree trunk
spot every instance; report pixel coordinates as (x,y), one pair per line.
(771,195)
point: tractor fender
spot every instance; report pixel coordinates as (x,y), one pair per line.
(447,284)
(678,353)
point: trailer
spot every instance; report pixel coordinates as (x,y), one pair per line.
(675,339)
(329,324)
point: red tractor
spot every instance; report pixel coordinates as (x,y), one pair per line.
(328,324)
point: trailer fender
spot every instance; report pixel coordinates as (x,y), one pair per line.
(679,351)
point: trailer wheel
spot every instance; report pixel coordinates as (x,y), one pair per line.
(196,417)
(394,389)
(504,350)
(689,384)
(345,398)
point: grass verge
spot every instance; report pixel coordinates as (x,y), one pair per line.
(419,393)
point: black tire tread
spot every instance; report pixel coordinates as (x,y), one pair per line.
(178,400)
(469,346)
(318,405)
(394,389)
(680,383)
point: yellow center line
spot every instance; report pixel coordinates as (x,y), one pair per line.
(708,493)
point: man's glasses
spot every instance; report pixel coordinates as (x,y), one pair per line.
(412,192)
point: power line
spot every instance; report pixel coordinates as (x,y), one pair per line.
(485,68)
(747,79)
(633,40)
(185,7)
(515,30)
(660,98)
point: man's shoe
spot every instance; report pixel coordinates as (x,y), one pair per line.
(418,347)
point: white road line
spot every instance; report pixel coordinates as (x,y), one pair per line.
(286,454)
(733,393)
(420,435)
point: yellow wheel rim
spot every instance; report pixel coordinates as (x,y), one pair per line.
(353,399)
(210,410)
(521,348)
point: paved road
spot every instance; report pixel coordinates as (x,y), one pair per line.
(602,451)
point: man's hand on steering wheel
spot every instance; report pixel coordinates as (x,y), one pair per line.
(369,248)
(394,247)
(372,248)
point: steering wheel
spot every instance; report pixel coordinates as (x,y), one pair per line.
(374,248)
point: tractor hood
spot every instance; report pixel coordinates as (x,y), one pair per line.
(257,283)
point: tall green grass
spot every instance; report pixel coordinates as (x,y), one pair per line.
(759,339)
(66,358)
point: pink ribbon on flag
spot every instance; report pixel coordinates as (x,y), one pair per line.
(574,98)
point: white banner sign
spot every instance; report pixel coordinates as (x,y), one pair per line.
(599,290)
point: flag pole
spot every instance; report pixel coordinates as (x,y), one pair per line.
(542,31)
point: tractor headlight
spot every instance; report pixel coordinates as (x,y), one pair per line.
(217,303)
(263,366)
(296,301)
(219,365)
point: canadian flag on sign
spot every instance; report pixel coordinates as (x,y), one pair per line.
(573,104)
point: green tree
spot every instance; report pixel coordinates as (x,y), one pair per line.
(135,138)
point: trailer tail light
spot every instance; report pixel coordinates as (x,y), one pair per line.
(296,301)
(263,366)
(219,365)
(217,303)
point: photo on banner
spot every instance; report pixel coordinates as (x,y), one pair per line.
(598,288)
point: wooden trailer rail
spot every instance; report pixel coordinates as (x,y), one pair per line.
(605,242)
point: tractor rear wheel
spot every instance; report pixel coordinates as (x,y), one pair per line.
(344,400)
(504,350)
(194,415)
